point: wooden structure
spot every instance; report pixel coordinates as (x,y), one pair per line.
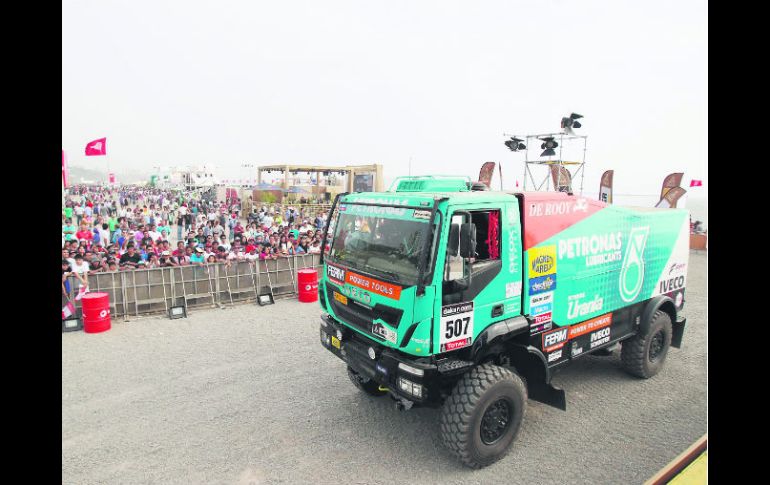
(319,171)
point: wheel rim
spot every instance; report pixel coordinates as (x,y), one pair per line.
(496,421)
(656,346)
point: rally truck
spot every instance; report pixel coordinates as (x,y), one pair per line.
(444,294)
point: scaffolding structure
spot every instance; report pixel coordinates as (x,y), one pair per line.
(559,160)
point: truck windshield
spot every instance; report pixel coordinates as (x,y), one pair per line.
(387,247)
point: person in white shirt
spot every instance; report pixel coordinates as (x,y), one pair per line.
(104,234)
(80,266)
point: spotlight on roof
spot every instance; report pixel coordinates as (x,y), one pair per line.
(515,144)
(569,123)
(549,145)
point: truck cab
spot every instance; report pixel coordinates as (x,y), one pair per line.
(441,295)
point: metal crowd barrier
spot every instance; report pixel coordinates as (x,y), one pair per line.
(134,293)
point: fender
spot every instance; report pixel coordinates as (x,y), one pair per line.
(496,334)
(665,303)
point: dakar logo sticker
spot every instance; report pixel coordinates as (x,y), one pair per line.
(632,271)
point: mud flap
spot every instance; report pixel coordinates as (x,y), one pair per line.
(677,333)
(548,394)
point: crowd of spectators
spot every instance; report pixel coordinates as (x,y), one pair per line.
(126,228)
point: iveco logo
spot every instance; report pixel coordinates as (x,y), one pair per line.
(542,264)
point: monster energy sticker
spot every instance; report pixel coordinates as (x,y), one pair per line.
(632,271)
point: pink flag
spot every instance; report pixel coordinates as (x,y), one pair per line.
(97,147)
(65,173)
(68,310)
(112,178)
(517,183)
(696,183)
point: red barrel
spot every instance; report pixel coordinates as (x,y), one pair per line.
(307,281)
(96,312)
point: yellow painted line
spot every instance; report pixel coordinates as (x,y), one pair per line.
(687,456)
(695,474)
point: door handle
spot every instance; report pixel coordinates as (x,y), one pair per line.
(497,310)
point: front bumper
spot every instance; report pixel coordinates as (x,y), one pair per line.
(354,350)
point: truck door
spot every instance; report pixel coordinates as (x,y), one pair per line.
(483,289)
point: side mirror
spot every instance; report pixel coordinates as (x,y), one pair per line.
(454,239)
(467,240)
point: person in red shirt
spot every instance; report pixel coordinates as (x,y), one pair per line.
(251,245)
(84,234)
(179,249)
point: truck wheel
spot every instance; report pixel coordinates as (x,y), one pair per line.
(365,384)
(482,416)
(644,354)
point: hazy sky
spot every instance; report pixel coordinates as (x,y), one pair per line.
(331,82)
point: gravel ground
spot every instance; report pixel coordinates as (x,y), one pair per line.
(249,395)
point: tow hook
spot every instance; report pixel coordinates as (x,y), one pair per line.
(402,404)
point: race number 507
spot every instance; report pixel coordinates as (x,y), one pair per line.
(456,327)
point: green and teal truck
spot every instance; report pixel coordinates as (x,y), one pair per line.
(440,293)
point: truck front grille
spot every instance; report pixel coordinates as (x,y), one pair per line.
(361,316)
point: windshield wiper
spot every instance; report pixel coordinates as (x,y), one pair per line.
(387,274)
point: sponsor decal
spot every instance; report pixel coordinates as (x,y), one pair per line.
(373,285)
(672,284)
(541,299)
(513,289)
(577,308)
(677,269)
(540,309)
(632,271)
(555,355)
(368,210)
(341,298)
(542,261)
(379,200)
(421,214)
(542,318)
(384,332)
(456,329)
(679,299)
(513,307)
(576,349)
(357,293)
(541,284)
(554,339)
(514,252)
(382,369)
(335,273)
(343,208)
(601,337)
(590,326)
(536,329)
(560,208)
(597,249)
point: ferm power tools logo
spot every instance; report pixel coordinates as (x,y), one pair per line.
(632,271)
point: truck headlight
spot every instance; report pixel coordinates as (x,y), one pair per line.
(410,388)
(410,369)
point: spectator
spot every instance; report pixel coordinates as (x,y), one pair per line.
(69,230)
(131,258)
(66,272)
(197,257)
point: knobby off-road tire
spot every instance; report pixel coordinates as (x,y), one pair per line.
(643,355)
(471,417)
(365,384)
